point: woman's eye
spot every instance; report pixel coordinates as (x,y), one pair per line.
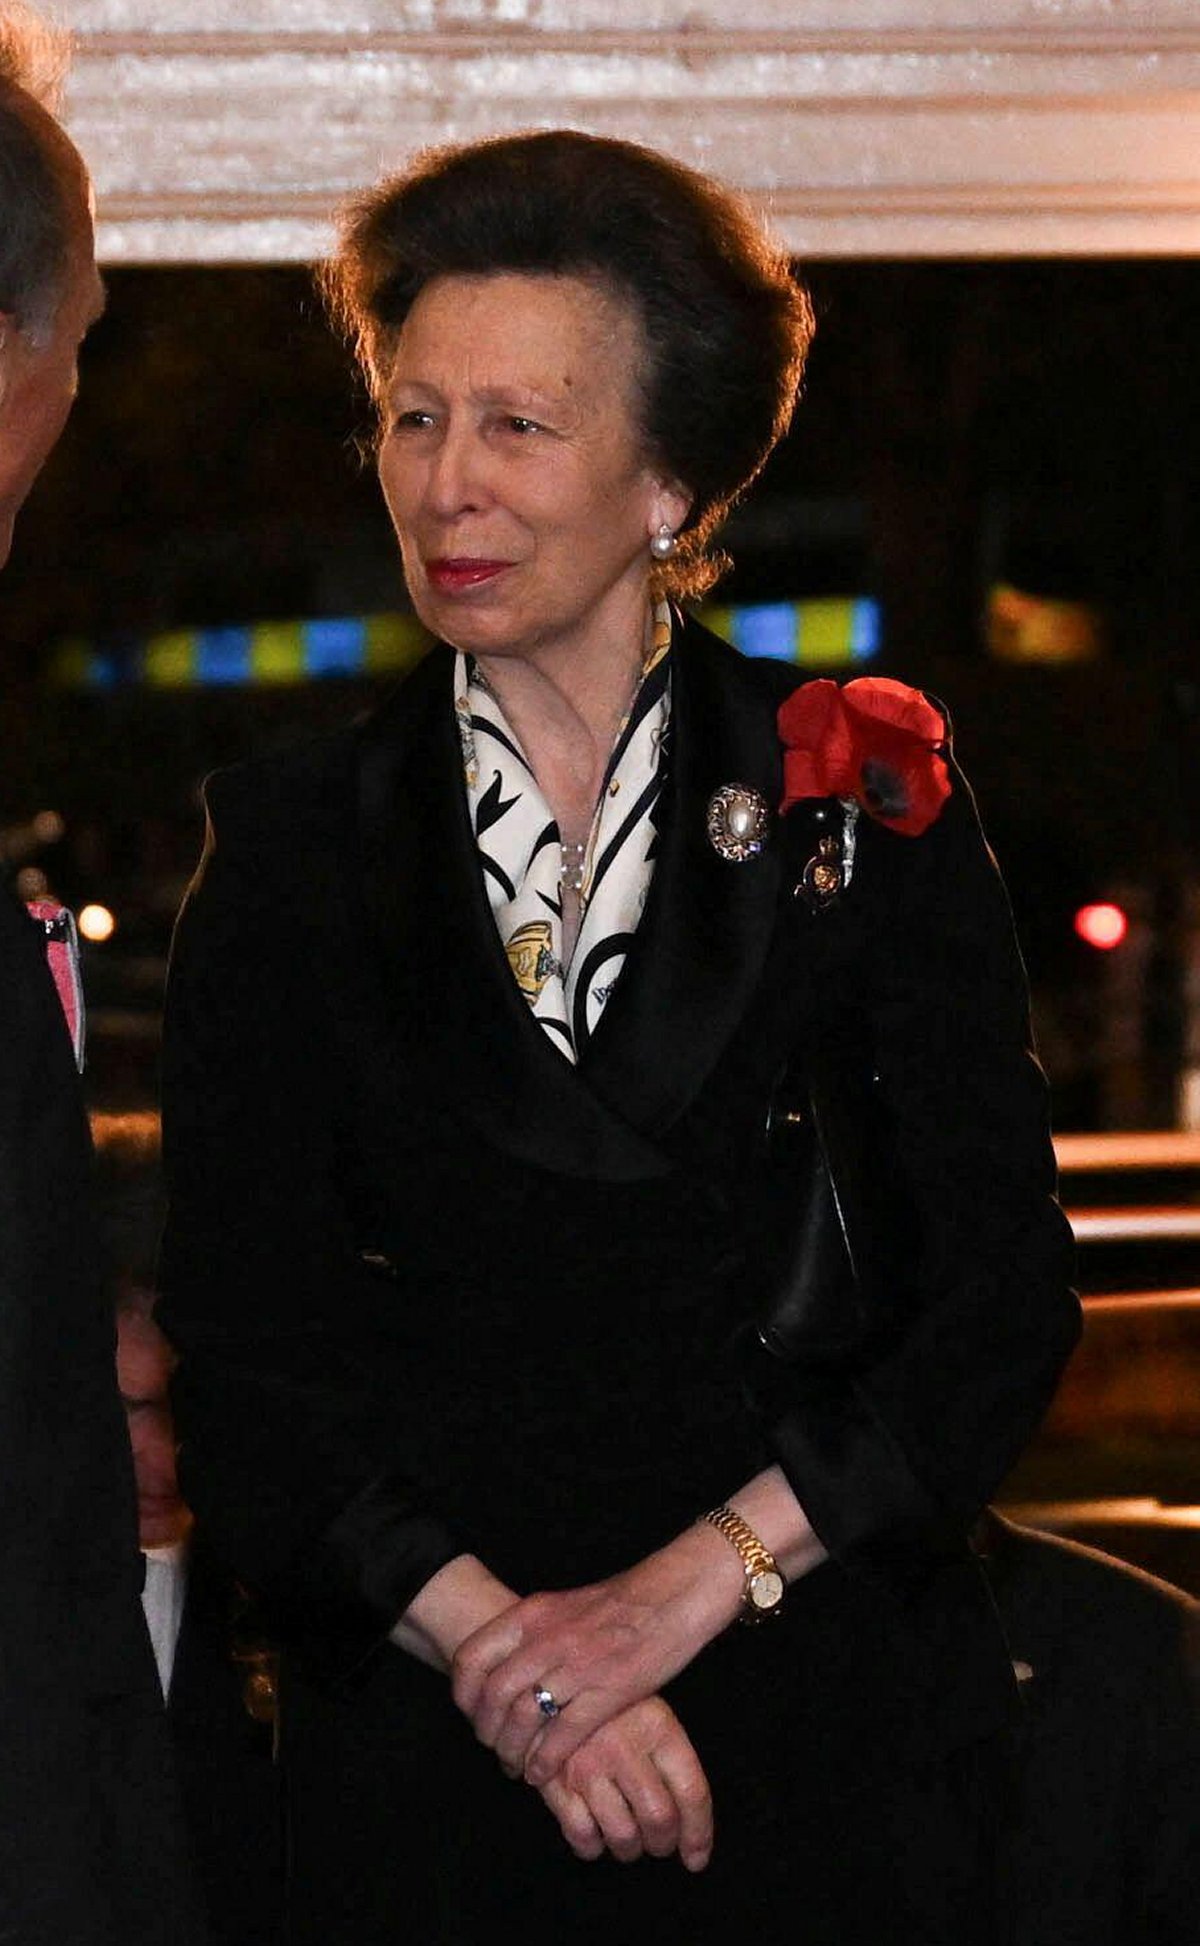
(516,422)
(414,420)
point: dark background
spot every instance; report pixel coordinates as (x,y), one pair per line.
(964,422)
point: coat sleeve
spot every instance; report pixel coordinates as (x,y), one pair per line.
(894,1457)
(291,1455)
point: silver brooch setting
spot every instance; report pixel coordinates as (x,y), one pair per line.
(738,820)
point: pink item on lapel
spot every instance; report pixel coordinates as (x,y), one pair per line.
(62,956)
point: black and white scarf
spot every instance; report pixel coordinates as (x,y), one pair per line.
(520,848)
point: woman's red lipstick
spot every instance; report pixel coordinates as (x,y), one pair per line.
(450,574)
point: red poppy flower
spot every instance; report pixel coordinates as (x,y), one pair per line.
(875,740)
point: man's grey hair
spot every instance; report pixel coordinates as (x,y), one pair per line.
(36,213)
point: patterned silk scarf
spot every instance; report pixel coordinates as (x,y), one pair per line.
(520,848)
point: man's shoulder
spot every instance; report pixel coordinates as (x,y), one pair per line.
(1091,1598)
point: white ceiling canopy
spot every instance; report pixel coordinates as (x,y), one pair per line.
(229,130)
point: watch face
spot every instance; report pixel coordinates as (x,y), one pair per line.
(766,1591)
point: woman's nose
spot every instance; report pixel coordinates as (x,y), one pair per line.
(455,482)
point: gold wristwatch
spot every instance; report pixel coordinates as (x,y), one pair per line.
(762,1595)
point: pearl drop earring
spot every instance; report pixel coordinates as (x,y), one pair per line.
(663,544)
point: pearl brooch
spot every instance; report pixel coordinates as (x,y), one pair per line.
(737,821)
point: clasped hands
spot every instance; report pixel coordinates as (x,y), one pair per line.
(615,1766)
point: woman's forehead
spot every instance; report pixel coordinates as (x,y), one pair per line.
(559,332)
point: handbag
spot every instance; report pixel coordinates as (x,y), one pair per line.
(847,1277)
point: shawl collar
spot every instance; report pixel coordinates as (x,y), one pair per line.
(700,949)
(462,1024)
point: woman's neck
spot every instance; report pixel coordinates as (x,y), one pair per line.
(565,712)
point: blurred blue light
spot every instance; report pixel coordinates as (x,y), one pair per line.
(766,629)
(223,655)
(866,629)
(335,647)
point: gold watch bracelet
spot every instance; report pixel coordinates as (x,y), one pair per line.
(754,1554)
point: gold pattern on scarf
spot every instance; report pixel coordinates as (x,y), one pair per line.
(466,737)
(530,954)
(660,640)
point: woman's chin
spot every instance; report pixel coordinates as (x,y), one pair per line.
(475,626)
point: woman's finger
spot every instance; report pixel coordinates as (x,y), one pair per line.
(487,1649)
(618,1825)
(502,1665)
(681,1770)
(575,1821)
(518,1730)
(559,1739)
(652,1803)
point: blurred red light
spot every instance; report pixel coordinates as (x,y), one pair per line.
(1102,926)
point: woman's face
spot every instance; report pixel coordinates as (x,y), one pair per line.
(512,465)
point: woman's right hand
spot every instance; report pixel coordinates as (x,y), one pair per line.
(636,1785)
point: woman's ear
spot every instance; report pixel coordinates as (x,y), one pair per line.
(670,505)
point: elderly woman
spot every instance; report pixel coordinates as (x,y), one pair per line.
(493,1031)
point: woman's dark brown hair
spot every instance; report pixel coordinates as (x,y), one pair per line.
(725,324)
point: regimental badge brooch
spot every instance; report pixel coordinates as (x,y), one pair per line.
(823,877)
(828,872)
(738,821)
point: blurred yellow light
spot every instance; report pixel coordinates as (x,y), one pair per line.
(97,923)
(1034,628)
(277,651)
(393,642)
(48,827)
(169,661)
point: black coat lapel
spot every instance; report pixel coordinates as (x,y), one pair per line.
(700,948)
(463,1027)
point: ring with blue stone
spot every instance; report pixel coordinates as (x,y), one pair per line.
(544,1699)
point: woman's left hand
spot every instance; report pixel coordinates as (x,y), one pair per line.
(595,1649)
(636,1786)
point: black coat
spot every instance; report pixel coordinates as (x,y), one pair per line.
(90,1847)
(354,1097)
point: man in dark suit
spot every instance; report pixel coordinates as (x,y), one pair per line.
(1103,1813)
(217,1672)
(90,1850)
